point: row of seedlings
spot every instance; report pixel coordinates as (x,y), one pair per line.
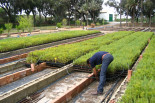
(65,54)
(141,88)
(125,52)
(10,44)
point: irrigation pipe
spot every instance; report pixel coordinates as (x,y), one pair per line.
(110,90)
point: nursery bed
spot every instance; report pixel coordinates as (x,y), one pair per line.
(28,49)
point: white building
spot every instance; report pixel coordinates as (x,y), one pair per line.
(107,15)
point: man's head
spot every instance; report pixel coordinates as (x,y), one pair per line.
(88,61)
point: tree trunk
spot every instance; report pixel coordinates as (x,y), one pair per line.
(69,21)
(150,20)
(120,19)
(127,18)
(75,18)
(133,19)
(40,18)
(34,18)
(93,18)
(45,18)
(84,19)
(87,19)
(142,13)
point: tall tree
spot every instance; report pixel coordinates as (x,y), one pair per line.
(94,8)
(8,6)
(132,4)
(149,9)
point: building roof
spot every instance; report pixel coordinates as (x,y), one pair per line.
(103,11)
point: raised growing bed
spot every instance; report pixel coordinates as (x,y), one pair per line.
(20,74)
(41,46)
(125,51)
(14,92)
(62,90)
(67,53)
(142,84)
(23,42)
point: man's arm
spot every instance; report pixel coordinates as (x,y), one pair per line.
(95,73)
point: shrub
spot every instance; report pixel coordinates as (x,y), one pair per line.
(29,24)
(59,25)
(1,31)
(78,22)
(103,22)
(8,27)
(83,23)
(25,23)
(64,22)
(18,29)
(98,24)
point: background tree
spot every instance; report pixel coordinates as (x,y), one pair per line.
(64,22)
(149,9)
(8,26)
(94,8)
(132,5)
(1,31)
(8,7)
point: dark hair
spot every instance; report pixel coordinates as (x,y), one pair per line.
(88,62)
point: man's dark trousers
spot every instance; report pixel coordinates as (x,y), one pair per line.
(107,59)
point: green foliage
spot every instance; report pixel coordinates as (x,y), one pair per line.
(59,25)
(29,24)
(141,88)
(125,50)
(64,22)
(98,24)
(70,52)
(83,23)
(8,26)
(25,23)
(103,22)
(1,31)
(18,28)
(23,42)
(22,23)
(77,22)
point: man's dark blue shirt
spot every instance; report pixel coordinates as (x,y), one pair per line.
(96,59)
